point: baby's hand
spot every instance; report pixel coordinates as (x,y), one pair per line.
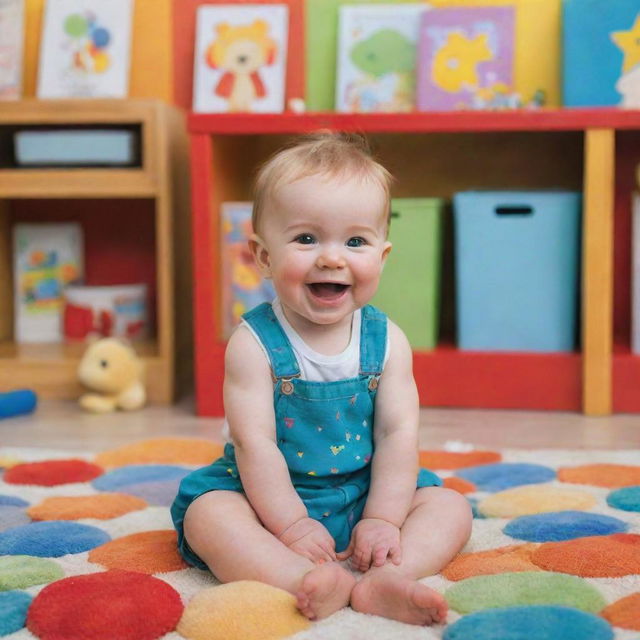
(310,539)
(372,542)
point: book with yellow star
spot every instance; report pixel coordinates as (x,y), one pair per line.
(601,53)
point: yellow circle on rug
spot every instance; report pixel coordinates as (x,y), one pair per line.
(530,499)
(613,476)
(146,552)
(103,506)
(515,557)
(245,609)
(624,613)
(195,451)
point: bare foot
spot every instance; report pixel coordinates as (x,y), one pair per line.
(324,590)
(390,594)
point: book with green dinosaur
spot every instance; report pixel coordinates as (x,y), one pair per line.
(321,19)
(377,58)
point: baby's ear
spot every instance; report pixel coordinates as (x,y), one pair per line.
(260,254)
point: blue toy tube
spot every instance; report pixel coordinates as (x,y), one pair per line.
(17,403)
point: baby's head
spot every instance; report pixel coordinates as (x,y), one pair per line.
(332,156)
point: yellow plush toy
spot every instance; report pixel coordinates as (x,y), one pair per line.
(112,370)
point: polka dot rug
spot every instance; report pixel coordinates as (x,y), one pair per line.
(87,550)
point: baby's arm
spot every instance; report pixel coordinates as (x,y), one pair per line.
(248,401)
(394,468)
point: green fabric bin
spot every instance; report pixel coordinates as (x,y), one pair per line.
(409,291)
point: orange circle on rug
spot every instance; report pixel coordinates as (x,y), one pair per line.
(437,459)
(459,484)
(146,552)
(624,613)
(515,557)
(51,473)
(111,605)
(102,506)
(592,557)
(530,499)
(162,451)
(601,475)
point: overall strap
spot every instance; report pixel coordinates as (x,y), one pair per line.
(266,326)
(373,341)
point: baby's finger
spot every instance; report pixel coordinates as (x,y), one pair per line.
(380,555)
(395,553)
(348,552)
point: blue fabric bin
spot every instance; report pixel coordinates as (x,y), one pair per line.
(517,257)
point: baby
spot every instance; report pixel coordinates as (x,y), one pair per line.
(323,410)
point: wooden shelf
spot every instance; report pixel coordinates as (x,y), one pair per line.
(126,216)
(437,154)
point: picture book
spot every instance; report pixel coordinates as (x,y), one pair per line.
(601,62)
(242,285)
(377,57)
(240,58)
(11,47)
(47,258)
(85,49)
(466,59)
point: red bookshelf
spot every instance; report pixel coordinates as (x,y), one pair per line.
(437,154)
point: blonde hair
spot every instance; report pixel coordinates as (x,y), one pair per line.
(334,154)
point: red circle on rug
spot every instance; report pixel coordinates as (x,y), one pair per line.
(146,552)
(436,459)
(53,472)
(113,605)
(624,613)
(459,484)
(601,475)
(592,557)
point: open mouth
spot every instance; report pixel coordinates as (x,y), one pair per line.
(327,290)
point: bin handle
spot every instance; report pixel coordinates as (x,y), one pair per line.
(514,210)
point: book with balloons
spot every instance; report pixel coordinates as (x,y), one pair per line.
(85,49)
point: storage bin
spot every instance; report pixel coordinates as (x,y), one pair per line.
(517,262)
(409,291)
(600,62)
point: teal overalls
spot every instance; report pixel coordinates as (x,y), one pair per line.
(323,429)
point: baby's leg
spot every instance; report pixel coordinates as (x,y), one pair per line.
(222,528)
(437,527)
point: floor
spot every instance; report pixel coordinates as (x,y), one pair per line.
(63,425)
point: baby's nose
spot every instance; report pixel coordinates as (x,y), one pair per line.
(331,259)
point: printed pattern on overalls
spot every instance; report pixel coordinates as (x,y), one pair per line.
(324,430)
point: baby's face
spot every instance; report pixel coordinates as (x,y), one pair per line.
(324,244)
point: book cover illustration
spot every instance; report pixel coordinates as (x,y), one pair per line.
(377,57)
(242,285)
(465,59)
(11,47)
(628,85)
(85,49)
(47,258)
(240,58)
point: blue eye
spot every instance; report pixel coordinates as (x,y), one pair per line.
(305,238)
(356,242)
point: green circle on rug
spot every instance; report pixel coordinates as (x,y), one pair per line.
(626,499)
(530,499)
(19,572)
(523,588)
(532,623)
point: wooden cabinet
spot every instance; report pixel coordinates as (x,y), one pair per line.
(437,154)
(126,216)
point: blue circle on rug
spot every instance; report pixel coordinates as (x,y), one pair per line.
(531,622)
(155,494)
(51,539)
(13,611)
(563,525)
(11,516)
(137,474)
(504,475)
(12,501)
(626,499)
(474,509)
